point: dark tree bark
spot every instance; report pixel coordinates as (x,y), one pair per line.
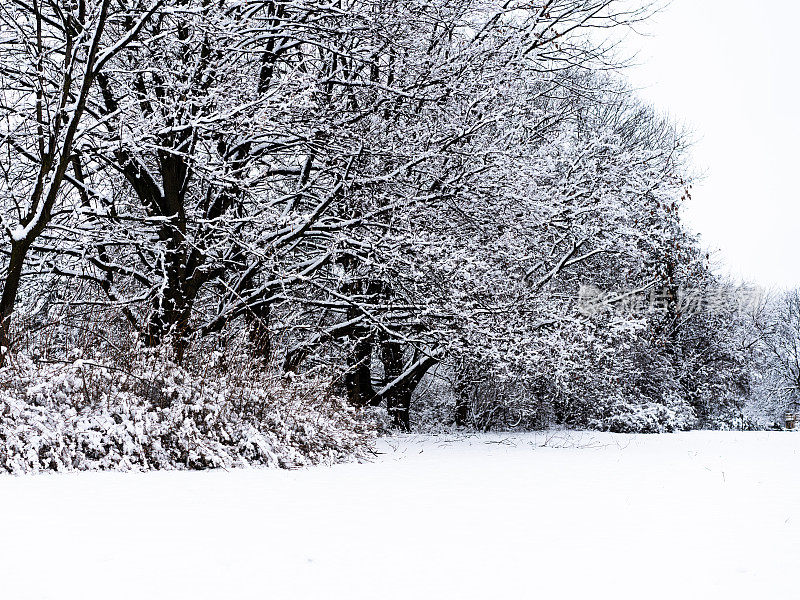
(399,390)
(9,296)
(462,409)
(358,379)
(392,357)
(259,334)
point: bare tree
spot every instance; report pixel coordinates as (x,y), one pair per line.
(51,58)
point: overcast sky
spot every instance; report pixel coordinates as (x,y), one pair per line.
(729,70)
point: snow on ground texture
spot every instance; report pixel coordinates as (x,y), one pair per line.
(579,515)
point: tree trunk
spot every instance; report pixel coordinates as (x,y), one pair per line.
(358,379)
(462,409)
(9,296)
(399,390)
(397,405)
(172,307)
(260,338)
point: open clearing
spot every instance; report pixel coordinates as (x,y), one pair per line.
(568,515)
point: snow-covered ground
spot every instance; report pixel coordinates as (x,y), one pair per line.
(579,515)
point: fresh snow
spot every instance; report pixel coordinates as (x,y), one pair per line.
(559,515)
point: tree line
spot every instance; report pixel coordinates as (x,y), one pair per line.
(395,191)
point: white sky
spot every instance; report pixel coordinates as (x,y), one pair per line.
(729,69)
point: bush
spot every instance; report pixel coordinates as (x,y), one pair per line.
(88,415)
(645,417)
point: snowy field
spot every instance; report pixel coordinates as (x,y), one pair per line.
(580,515)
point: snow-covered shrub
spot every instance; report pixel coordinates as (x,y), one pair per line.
(87,415)
(485,401)
(433,406)
(645,417)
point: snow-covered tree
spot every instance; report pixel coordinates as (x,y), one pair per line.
(52,55)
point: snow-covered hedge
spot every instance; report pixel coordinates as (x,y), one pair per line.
(88,415)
